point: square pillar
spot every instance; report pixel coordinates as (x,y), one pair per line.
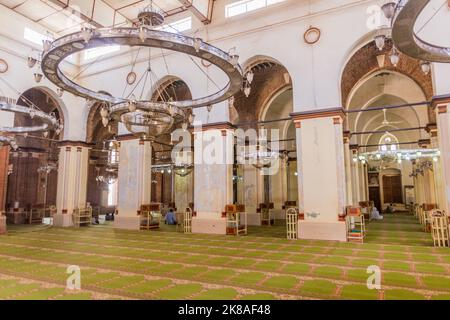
(442,105)
(321,172)
(348,169)
(4,165)
(134,188)
(72,181)
(213,187)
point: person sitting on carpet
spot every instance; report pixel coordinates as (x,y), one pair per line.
(170,218)
(376,214)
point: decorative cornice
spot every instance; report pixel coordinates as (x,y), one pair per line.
(337,113)
(214,126)
(424,143)
(126,137)
(431,128)
(440,100)
(68,143)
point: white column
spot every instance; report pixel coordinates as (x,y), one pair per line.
(437,170)
(355,176)
(213,186)
(348,169)
(443,124)
(134,182)
(72,181)
(321,174)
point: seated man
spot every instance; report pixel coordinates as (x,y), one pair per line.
(376,214)
(170,218)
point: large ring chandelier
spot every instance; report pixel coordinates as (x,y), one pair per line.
(143,35)
(49,121)
(406,40)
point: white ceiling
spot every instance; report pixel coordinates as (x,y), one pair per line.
(65,16)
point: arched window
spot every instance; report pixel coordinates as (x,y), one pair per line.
(388,142)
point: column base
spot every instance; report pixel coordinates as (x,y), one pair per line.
(62,220)
(127,223)
(333,231)
(209,223)
(2,225)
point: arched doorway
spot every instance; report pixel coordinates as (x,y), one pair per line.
(266,110)
(388,116)
(32,183)
(170,188)
(103,162)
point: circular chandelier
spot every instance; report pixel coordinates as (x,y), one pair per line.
(8,140)
(139,115)
(403,15)
(109,177)
(49,121)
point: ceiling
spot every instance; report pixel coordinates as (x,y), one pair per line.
(65,16)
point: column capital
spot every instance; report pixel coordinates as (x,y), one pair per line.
(354,147)
(347,136)
(440,103)
(432,130)
(215,126)
(424,143)
(75,144)
(338,114)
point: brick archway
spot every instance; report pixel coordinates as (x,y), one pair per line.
(364,62)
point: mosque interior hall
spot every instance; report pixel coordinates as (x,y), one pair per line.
(224,150)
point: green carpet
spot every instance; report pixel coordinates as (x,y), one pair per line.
(119,264)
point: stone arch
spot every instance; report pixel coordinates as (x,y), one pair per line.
(364,62)
(271,77)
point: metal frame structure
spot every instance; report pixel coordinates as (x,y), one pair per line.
(407,41)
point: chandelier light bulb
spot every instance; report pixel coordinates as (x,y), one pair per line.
(104,112)
(31,62)
(197,44)
(105,122)
(185,126)
(389,10)
(399,161)
(32,113)
(419,153)
(46,44)
(142,33)
(247,91)
(45,134)
(426,67)
(250,76)
(38,77)
(234,60)
(435,159)
(86,34)
(60,92)
(395,58)
(380,41)
(132,106)
(378,156)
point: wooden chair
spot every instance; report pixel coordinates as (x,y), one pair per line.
(188,220)
(82,217)
(355,223)
(266,214)
(292,223)
(150,216)
(236,220)
(439,229)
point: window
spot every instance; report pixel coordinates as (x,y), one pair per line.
(388,142)
(35,37)
(178,26)
(244,6)
(97,52)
